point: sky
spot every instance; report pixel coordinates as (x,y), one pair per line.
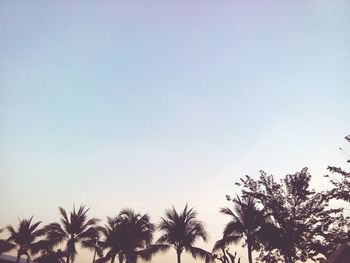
(149,104)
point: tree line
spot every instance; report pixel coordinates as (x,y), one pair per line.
(277,220)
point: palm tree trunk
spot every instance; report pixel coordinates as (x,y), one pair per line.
(94,258)
(250,258)
(178,257)
(18,257)
(68,256)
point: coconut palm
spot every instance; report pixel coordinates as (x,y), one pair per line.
(136,232)
(94,245)
(74,229)
(127,237)
(24,239)
(5,246)
(245,224)
(111,241)
(180,231)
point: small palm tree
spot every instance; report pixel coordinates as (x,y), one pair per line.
(24,239)
(75,229)
(5,246)
(245,224)
(180,231)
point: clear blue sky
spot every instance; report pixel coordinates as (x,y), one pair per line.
(153,103)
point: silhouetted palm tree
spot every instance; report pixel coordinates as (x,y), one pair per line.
(5,246)
(181,231)
(25,237)
(111,241)
(94,245)
(127,237)
(136,232)
(76,228)
(246,222)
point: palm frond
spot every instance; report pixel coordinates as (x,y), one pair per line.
(200,253)
(226,241)
(152,250)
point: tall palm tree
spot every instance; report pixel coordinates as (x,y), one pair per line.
(25,237)
(180,231)
(246,221)
(74,229)
(5,246)
(127,237)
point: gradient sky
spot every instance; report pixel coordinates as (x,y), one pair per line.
(150,104)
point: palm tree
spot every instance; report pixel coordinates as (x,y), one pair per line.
(5,246)
(245,224)
(24,238)
(127,237)
(94,245)
(136,231)
(111,239)
(180,231)
(73,230)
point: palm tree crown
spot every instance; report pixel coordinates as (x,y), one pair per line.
(181,231)
(127,237)
(24,239)
(246,221)
(74,229)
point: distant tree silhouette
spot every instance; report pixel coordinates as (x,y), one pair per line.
(301,223)
(75,228)
(24,239)
(180,231)
(246,222)
(127,237)
(341,189)
(5,246)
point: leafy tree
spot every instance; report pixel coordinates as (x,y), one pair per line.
(24,239)
(301,224)
(341,188)
(180,231)
(246,221)
(74,229)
